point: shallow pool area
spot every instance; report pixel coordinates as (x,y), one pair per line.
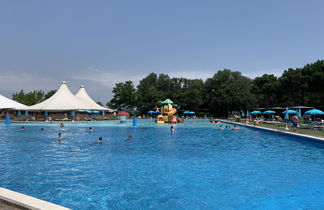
(199,167)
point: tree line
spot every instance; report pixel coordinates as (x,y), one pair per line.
(32,97)
(225,91)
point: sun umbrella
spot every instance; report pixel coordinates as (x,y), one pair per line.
(95,112)
(289,111)
(191,112)
(255,112)
(151,112)
(269,112)
(287,114)
(314,112)
(19,113)
(242,114)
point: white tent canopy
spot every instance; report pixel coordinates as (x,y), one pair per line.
(6,103)
(62,100)
(84,97)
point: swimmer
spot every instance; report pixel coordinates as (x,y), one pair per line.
(22,128)
(61,125)
(172,130)
(100,140)
(91,130)
(221,127)
(235,127)
(227,126)
(42,129)
(59,137)
(129,138)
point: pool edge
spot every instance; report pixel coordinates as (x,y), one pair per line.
(303,136)
(27,202)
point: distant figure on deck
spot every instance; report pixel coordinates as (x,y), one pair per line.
(236,127)
(61,125)
(59,138)
(294,120)
(91,130)
(256,122)
(172,130)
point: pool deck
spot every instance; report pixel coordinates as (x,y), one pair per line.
(14,200)
(306,137)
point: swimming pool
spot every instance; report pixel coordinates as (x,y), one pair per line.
(199,167)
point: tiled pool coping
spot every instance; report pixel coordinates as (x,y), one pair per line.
(303,136)
(19,200)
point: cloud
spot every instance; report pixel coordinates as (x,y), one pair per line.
(14,82)
(276,71)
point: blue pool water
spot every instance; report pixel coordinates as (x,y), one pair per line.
(199,167)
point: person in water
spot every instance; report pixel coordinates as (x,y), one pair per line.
(100,140)
(221,127)
(61,125)
(91,130)
(22,128)
(129,138)
(172,130)
(42,129)
(236,127)
(59,137)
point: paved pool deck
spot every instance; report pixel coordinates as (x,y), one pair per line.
(306,137)
(11,200)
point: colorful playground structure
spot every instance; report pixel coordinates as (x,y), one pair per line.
(167,112)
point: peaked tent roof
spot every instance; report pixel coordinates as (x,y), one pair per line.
(6,103)
(62,100)
(83,96)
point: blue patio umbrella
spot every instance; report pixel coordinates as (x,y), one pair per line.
(95,112)
(289,111)
(73,113)
(151,112)
(186,112)
(26,113)
(255,112)
(242,114)
(314,112)
(287,114)
(46,113)
(191,112)
(19,113)
(269,112)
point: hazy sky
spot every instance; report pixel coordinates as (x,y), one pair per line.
(98,43)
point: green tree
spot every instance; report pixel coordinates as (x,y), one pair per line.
(147,93)
(49,94)
(265,89)
(228,91)
(30,98)
(124,96)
